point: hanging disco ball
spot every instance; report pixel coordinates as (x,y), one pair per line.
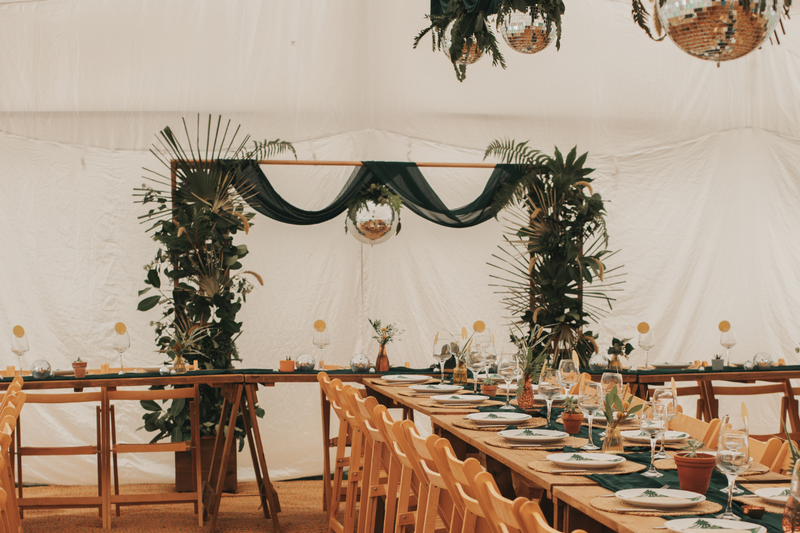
(373,224)
(468,57)
(719,30)
(525,33)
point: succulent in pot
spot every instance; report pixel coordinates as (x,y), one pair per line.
(489,387)
(571,416)
(694,468)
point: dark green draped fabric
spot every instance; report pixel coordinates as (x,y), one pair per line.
(402,178)
(438,7)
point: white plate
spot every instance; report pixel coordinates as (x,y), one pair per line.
(497,419)
(692,525)
(671,365)
(406,378)
(659,498)
(435,387)
(459,399)
(634,435)
(775,495)
(533,435)
(586,460)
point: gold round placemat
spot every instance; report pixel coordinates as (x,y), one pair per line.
(610,505)
(500,442)
(547,467)
(385,383)
(469,424)
(485,403)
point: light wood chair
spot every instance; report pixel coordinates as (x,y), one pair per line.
(530,517)
(5,525)
(702,411)
(781,388)
(707,432)
(14,402)
(327,405)
(94,449)
(765,452)
(783,460)
(502,513)
(190,394)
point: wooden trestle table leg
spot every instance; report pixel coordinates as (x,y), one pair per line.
(232,396)
(325,405)
(105,458)
(265,489)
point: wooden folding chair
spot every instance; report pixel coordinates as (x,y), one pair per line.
(765,452)
(783,460)
(702,411)
(326,405)
(782,388)
(190,394)
(8,421)
(707,432)
(354,463)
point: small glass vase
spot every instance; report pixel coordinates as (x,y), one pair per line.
(460,374)
(179,365)
(615,365)
(612,442)
(526,400)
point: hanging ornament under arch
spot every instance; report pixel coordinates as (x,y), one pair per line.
(470,53)
(373,217)
(719,30)
(526,33)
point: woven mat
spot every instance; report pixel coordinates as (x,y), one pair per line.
(469,424)
(428,394)
(385,383)
(547,467)
(500,442)
(768,507)
(485,403)
(610,505)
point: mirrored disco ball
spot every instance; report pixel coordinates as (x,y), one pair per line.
(468,57)
(718,30)
(598,362)
(40,369)
(524,33)
(305,363)
(762,360)
(359,363)
(374,224)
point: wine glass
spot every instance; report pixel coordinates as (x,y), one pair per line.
(670,401)
(509,370)
(321,339)
(728,340)
(121,342)
(733,458)
(590,401)
(652,420)
(442,350)
(19,344)
(609,380)
(646,342)
(486,340)
(549,388)
(568,374)
(475,362)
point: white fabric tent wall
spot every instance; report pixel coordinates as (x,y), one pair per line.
(699,166)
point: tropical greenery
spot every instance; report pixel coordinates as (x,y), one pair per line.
(197,270)
(377,194)
(551,264)
(384,334)
(620,347)
(617,410)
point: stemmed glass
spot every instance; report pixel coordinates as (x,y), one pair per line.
(733,458)
(549,388)
(121,342)
(609,380)
(652,419)
(475,362)
(509,370)
(590,400)
(19,344)
(321,339)
(727,339)
(568,374)
(486,340)
(646,342)
(745,430)
(666,397)
(443,353)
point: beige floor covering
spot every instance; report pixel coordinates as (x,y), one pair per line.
(301,505)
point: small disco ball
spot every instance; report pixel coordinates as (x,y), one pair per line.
(525,33)
(718,30)
(598,362)
(40,369)
(762,360)
(305,363)
(373,224)
(164,370)
(468,57)
(359,363)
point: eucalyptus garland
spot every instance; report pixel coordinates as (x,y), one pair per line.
(377,194)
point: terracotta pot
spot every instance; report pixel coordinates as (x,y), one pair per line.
(287,366)
(79,368)
(525,400)
(572,422)
(694,473)
(489,390)
(382,362)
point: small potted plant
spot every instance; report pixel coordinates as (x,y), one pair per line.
(618,348)
(79,368)
(489,387)
(287,365)
(694,469)
(571,416)
(717,363)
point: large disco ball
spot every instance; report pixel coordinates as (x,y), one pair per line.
(525,33)
(468,57)
(374,223)
(40,369)
(718,30)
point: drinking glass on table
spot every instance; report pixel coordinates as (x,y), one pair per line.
(590,401)
(442,349)
(609,380)
(728,340)
(509,370)
(19,344)
(568,374)
(727,422)
(321,339)
(121,343)
(549,387)
(646,342)
(733,458)
(489,351)
(670,401)
(652,420)
(475,362)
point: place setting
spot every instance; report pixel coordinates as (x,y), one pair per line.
(498,421)
(772,498)
(534,439)
(404,380)
(459,401)
(656,502)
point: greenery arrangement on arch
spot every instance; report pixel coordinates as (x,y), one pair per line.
(377,194)
(551,263)
(197,269)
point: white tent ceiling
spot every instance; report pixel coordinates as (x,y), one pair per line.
(699,164)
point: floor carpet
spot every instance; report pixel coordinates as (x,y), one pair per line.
(301,511)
